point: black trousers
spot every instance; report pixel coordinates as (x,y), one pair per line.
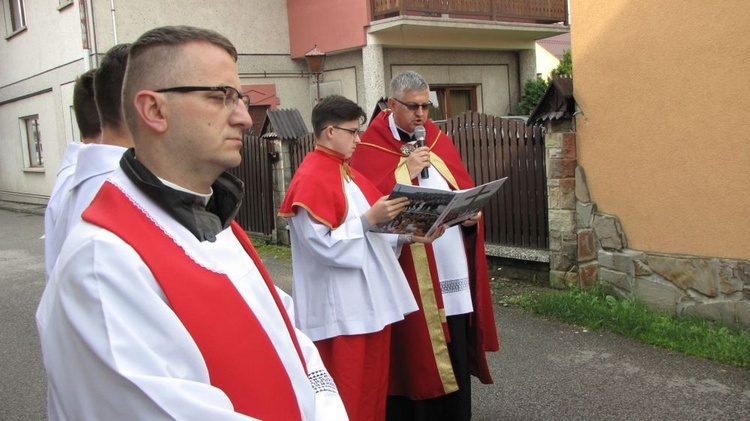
(454,406)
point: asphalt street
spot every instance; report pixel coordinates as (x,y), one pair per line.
(544,371)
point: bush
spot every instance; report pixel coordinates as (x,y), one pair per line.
(534,89)
(533,92)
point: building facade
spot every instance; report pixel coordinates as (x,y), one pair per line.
(661,185)
(476,56)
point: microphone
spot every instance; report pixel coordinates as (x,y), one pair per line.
(420,134)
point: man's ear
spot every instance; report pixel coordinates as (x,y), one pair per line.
(151,108)
(391,103)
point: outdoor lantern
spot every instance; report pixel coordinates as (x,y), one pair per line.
(316,60)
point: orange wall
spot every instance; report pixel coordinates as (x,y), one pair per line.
(665,141)
(333,25)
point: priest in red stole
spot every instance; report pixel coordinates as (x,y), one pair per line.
(433,351)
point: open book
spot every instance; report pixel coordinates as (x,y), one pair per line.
(430,208)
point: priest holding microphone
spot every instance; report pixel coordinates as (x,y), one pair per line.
(433,350)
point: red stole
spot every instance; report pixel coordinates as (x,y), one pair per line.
(318,187)
(240,357)
(414,366)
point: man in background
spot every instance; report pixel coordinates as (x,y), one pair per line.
(435,349)
(87,119)
(100,159)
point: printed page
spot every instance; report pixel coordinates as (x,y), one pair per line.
(429,208)
(468,202)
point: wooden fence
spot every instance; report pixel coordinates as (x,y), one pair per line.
(492,148)
(256,214)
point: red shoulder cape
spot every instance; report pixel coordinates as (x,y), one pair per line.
(376,158)
(318,187)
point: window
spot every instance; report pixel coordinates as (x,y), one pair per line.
(62,4)
(32,139)
(15,15)
(452,100)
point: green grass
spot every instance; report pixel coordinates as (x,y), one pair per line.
(596,310)
(266,250)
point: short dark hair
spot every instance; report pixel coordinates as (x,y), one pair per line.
(84,106)
(154,56)
(108,85)
(335,109)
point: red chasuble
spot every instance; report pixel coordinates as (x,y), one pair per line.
(239,355)
(418,361)
(318,187)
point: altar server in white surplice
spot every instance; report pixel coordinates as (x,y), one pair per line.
(348,285)
(87,119)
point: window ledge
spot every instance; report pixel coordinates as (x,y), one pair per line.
(34,169)
(64,6)
(18,31)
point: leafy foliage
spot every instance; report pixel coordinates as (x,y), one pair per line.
(565,68)
(534,89)
(533,92)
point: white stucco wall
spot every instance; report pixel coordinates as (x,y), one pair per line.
(494,73)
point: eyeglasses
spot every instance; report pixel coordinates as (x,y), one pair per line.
(414,106)
(231,95)
(354,132)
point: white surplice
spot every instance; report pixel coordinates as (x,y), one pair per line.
(450,257)
(114,349)
(95,163)
(346,281)
(63,183)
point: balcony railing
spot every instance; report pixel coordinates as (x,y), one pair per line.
(528,11)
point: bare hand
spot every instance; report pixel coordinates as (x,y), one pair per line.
(432,237)
(418,159)
(384,210)
(473,220)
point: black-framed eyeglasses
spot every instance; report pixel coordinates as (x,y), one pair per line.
(231,94)
(412,106)
(353,132)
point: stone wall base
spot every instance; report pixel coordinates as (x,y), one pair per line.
(710,287)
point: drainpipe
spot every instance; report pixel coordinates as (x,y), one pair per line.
(114,19)
(85,42)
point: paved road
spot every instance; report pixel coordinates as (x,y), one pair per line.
(545,370)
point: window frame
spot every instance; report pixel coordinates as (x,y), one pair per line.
(442,95)
(64,4)
(31,144)
(11,26)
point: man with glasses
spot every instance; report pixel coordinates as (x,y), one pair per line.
(348,286)
(159,307)
(433,355)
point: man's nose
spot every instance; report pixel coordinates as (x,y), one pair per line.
(242,117)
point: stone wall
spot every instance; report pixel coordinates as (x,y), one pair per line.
(587,246)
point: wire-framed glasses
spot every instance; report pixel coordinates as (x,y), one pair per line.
(353,132)
(231,94)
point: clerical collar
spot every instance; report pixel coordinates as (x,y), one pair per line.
(204,197)
(204,216)
(398,133)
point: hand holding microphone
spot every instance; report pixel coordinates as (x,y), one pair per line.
(420,134)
